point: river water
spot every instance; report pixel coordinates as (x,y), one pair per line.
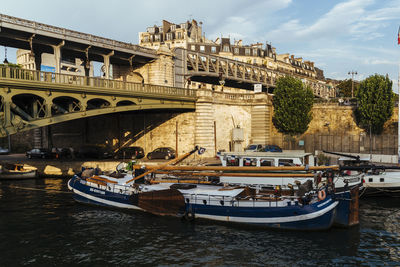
(41,225)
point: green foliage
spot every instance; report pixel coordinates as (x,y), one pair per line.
(11,65)
(344,88)
(292,106)
(375,103)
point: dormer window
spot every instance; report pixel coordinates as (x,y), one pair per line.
(247,51)
(213,49)
(179,35)
(151,30)
(254,52)
(157,38)
(202,48)
(226,48)
(183,26)
(173,27)
(170,36)
(236,50)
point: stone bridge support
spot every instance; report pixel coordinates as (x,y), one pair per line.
(158,72)
(218,113)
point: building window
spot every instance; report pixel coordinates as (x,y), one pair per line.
(226,48)
(236,50)
(262,53)
(193,47)
(202,48)
(254,52)
(213,49)
(254,61)
(157,37)
(146,39)
(173,27)
(179,35)
(151,30)
(247,51)
(183,25)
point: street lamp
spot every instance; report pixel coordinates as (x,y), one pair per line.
(352,73)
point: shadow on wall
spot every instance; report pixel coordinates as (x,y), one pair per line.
(114,130)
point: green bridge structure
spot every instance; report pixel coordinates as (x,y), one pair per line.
(32,99)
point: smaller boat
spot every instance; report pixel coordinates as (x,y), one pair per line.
(379,180)
(15,171)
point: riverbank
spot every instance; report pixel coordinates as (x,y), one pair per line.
(67,168)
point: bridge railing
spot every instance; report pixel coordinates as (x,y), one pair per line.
(84,81)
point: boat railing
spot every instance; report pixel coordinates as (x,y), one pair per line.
(114,188)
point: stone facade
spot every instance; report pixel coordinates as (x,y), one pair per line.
(158,72)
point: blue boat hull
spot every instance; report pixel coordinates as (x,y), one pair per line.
(316,216)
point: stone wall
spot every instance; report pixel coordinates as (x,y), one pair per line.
(331,121)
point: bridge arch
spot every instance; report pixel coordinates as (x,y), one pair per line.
(64,104)
(29,106)
(134,77)
(125,103)
(96,103)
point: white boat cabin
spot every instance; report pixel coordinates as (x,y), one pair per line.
(258,159)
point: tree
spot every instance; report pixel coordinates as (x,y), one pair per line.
(344,88)
(375,103)
(292,106)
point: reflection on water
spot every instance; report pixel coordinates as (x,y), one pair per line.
(47,228)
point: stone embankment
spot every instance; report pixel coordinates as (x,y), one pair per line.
(67,168)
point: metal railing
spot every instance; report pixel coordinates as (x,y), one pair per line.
(92,82)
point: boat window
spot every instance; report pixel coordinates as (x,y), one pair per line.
(382,180)
(370,180)
(285,162)
(249,162)
(232,161)
(266,162)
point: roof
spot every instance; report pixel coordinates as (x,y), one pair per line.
(267,154)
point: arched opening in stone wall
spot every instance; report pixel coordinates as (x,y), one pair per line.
(134,77)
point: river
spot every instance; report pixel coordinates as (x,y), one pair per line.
(41,225)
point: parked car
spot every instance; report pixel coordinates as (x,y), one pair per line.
(270,148)
(39,153)
(162,153)
(94,151)
(253,147)
(131,152)
(4,151)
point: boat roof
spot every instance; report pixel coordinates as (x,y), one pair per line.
(353,159)
(284,154)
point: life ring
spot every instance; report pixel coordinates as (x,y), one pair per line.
(321,195)
(189,216)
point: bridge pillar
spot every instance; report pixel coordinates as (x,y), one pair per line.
(38,59)
(107,64)
(57,55)
(204,125)
(261,120)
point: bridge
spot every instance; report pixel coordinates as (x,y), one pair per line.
(203,67)
(42,38)
(31,99)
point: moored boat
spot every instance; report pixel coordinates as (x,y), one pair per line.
(221,203)
(16,171)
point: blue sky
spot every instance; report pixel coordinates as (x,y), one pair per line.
(339,36)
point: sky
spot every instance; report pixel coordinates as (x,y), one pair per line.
(339,36)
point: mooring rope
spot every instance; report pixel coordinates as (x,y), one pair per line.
(40,189)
